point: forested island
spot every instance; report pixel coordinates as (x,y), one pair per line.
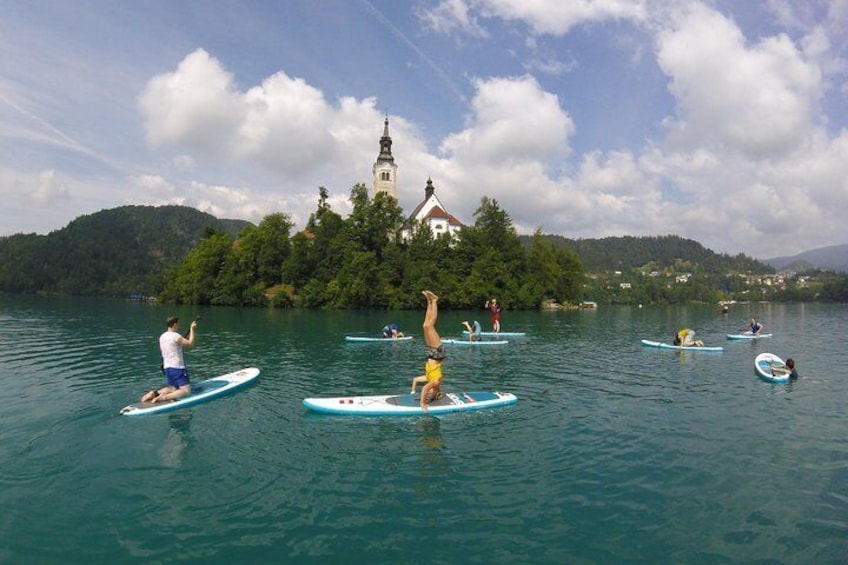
(182,255)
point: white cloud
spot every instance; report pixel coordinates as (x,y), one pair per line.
(746,156)
(513,119)
(450,15)
(555,17)
(49,190)
(197,105)
(760,100)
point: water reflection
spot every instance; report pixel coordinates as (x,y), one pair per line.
(178,439)
(434,463)
(431,434)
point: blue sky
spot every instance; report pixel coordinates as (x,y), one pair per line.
(721,121)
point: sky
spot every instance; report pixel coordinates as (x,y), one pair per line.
(722,121)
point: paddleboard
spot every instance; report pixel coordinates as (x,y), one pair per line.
(502,334)
(748,335)
(660,345)
(763,366)
(474,343)
(372,339)
(202,391)
(408,404)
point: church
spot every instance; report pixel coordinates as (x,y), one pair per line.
(429,211)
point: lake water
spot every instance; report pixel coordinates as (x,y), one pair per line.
(614,453)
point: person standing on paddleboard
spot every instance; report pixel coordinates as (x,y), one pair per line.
(171,344)
(435,354)
(495,308)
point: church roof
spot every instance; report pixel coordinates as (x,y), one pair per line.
(437,212)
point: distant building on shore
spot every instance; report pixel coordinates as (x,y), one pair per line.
(430,211)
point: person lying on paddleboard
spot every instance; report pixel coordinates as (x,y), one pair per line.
(784,369)
(475,331)
(171,344)
(392,331)
(435,354)
(686,338)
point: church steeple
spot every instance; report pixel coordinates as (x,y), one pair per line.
(386,145)
(385,168)
(429,189)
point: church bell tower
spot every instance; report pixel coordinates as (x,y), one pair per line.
(385,168)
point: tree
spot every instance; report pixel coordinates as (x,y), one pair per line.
(264,249)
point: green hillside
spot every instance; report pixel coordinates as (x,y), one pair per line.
(113,252)
(654,253)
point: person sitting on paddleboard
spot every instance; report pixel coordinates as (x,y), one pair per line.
(392,331)
(495,308)
(475,332)
(755,328)
(171,344)
(435,354)
(686,338)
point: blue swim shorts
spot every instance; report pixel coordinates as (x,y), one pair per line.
(176,377)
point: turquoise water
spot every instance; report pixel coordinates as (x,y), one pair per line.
(614,453)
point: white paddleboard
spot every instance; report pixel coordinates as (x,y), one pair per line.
(748,335)
(408,404)
(364,339)
(496,334)
(764,366)
(660,345)
(479,342)
(202,391)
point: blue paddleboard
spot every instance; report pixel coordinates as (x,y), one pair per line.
(502,334)
(200,392)
(408,404)
(748,335)
(364,339)
(771,368)
(479,342)
(660,345)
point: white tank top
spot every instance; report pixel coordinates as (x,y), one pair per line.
(172,352)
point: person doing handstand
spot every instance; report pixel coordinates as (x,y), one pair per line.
(432,377)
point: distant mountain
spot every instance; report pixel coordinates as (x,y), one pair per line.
(115,252)
(655,253)
(832,258)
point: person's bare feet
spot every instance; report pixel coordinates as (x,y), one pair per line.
(429,295)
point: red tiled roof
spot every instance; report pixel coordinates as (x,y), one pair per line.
(438,213)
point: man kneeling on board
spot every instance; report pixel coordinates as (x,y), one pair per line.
(171,344)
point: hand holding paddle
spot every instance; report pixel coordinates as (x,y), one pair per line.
(191,327)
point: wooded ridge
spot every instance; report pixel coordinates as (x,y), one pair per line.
(183,255)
